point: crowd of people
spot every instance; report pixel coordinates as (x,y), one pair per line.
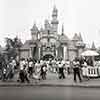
(31,69)
(38,70)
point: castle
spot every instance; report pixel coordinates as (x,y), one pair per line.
(47,43)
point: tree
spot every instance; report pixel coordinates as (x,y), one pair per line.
(12,47)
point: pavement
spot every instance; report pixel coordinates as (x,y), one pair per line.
(52,80)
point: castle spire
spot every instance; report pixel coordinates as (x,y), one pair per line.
(34,29)
(93,46)
(80,37)
(62,29)
(47,25)
(54,21)
(34,32)
(54,12)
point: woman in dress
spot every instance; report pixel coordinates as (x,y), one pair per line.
(36,74)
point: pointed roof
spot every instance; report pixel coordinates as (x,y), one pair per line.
(34,29)
(93,46)
(46,21)
(80,37)
(26,45)
(75,37)
(55,11)
(47,25)
(62,29)
(71,45)
(63,38)
(55,8)
(41,29)
(54,14)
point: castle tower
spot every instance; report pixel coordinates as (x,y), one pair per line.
(34,32)
(47,25)
(54,21)
(93,46)
(80,37)
(62,29)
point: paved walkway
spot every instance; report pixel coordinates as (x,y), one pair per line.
(52,80)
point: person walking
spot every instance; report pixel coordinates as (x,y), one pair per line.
(76,69)
(61,70)
(23,73)
(67,66)
(4,78)
(36,74)
(14,64)
(43,71)
(85,71)
(10,70)
(30,67)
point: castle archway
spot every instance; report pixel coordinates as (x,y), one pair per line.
(48,56)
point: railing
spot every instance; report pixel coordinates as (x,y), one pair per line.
(91,71)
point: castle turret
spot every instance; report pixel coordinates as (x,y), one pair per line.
(41,30)
(62,29)
(78,41)
(75,37)
(34,32)
(47,25)
(80,37)
(54,21)
(93,46)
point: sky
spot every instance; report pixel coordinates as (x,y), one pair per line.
(18,16)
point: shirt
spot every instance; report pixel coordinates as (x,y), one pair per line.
(30,64)
(22,63)
(76,64)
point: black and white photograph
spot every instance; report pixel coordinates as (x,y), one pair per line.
(49,49)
